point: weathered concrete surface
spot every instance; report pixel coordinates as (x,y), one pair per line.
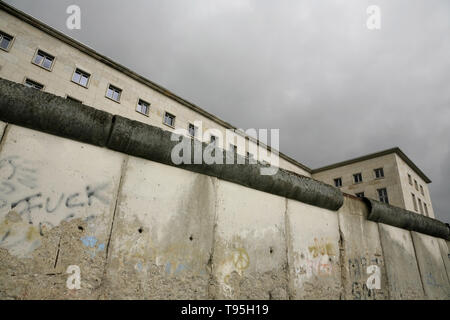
(445,251)
(432,269)
(360,249)
(314,265)
(163,234)
(249,260)
(57,199)
(401,265)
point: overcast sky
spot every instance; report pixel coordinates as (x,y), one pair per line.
(334,88)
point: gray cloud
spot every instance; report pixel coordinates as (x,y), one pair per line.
(311,68)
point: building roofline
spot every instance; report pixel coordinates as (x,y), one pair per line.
(395,150)
(109,62)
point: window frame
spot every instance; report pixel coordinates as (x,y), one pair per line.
(422,190)
(379,170)
(426,209)
(360,194)
(410,180)
(416,185)
(338,179)
(384,196)
(36,82)
(11,42)
(83,72)
(148,107)
(414,200)
(164,119)
(359,174)
(195,130)
(115,87)
(44,54)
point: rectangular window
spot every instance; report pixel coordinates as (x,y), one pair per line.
(73,99)
(5,41)
(192,130)
(420,206)
(113,93)
(338,182)
(409,179)
(33,84)
(357,177)
(43,60)
(416,185)
(421,190)
(414,201)
(382,195)
(379,173)
(169,119)
(80,77)
(426,208)
(143,107)
(360,194)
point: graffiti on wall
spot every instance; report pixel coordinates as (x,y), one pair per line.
(29,205)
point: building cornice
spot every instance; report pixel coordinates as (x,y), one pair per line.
(395,150)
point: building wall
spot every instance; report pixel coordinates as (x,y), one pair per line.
(409,188)
(16,65)
(370,184)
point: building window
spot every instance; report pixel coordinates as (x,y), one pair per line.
(416,185)
(73,99)
(338,182)
(169,119)
(421,190)
(5,41)
(382,195)
(113,93)
(379,173)
(357,177)
(213,139)
(33,84)
(420,206)
(409,179)
(414,201)
(80,77)
(192,130)
(426,208)
(360,194)
(43,60)
(143,107)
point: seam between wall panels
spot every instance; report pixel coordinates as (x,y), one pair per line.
(442,258)
(384,262)
(212,280)
(418,266)
(287,236)
(4,135)
(343,295)
(123,170)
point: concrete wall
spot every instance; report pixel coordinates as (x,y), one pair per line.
(141,229)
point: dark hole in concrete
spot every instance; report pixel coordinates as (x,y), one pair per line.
(140,230)
(191,237)
(271,250)
(80,228)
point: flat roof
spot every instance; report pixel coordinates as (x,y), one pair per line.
(395,150)
(109,62)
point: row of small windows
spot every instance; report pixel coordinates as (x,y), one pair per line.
(80,77)
(416,185)
(357,177)
(422,207)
